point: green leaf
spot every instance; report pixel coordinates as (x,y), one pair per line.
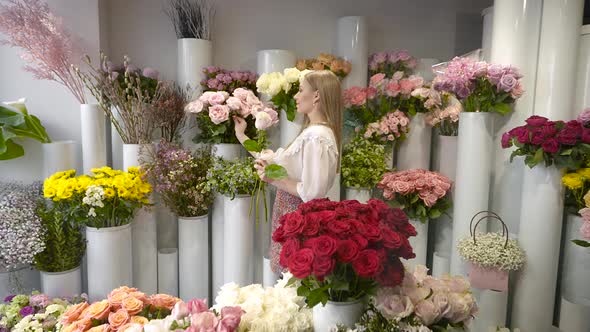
(11,150)
(11,118)
(582,243)
(317,296)
(567,152)
(275,172)
(252,146)
(502,108)
(291,109)
(538,157)
(434,214)
(291,282)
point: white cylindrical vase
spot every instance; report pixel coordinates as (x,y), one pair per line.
(62,284)
(116,144)
(492,310)
(58,156)
(145,250)
(289,130)
(414,151)
(445,163)
(227,151)
(193,55)
(22,280)
(363,195)
(424,68)
(474,159)
(574,317)
(582,97)
(419,244)
(238,240)
(270,278)
(327,317)
(352,44)
(486,38)
(193,257)
(92,129)
(440,264)
(109,257)
(540,236)
(576,265)
(558,51)
(269,61)
(135,154)
(168,271)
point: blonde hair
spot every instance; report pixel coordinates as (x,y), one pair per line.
(328,86)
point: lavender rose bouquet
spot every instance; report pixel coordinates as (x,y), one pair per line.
(481,87)
(219,79)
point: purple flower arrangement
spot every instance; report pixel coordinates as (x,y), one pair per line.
(481,87)
(389,63)
(219,79)
(564,144)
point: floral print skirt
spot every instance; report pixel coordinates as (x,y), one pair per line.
(284,203)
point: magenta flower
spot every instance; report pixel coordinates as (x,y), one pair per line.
(25,311)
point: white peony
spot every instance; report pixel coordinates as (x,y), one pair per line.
(292,74)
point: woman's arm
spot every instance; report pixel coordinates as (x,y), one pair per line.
(240,129)
(287,184)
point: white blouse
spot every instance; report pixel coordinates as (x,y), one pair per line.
(311,160)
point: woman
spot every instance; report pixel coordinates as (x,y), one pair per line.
(311,160)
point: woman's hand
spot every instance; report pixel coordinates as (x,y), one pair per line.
(240,128)
(260,166)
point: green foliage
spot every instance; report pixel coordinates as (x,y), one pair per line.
(363,163)
(286,102)
(232,177)
(16,122)
(486,98)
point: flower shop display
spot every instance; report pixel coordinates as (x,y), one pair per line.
(192,21)
(15,123)
(421,303)
(444,114)
(341,251)
(33,312)
(219,79)
(491,256)
(48,47)
(422,195)
(326,61)
(392,62)
(480,86)
(267,308)
(363,164)
(281,88)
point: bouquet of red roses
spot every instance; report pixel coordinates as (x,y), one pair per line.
(341,251)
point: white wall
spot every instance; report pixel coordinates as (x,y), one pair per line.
(140,29)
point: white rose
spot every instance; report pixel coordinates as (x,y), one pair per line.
(263,83)
(263,121)
(156,325)
(292,74)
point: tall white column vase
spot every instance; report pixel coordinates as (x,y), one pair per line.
(94,149)
(582,97)
(515,40)
(352,44)
(58,156)
(228,152)
(168,271)
(540,235)
(414,151)
(62,284)
(492,310)
(440,264)
(325,318)
(558,51)
(424,68)
(486,38)
(574,317)
(193,257)
(116,144)
(419,243)
(22,280)
(363,195)
(576,265)
(289,130)
(109,257)
(474,159)
(238,241)
(193,55)
(446,164)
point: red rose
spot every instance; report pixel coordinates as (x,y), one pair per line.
(549,130)
(348,250)
(407,230)
(506,140)
(288,249)
(538,138)
(523,136)
(356,226)
(323,266)
(293,224)
(377,204)
(325,204)
(586,135)
(574,127)
(325,245)
(392,275)
(367,264)
(338,227)
(309,243)
(391,239)
(406,251)
(550,146)
(371,233)
(301,263)
(536,121)
(311,227)
(279,234)
(360,240)
(319,204)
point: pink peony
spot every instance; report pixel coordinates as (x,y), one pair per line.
(218,98)
(219,113)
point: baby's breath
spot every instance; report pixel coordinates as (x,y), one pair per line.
(488,252)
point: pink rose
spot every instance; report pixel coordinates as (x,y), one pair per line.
(218,98)
(416,294)
(230,319)
(204,321)
(241,93)
(219,113)
(377,80)
(180,310)
(234,103)
(406,86)
(393,306)
(194,107)
(420,273)
(392,89)
(197,306)
(430,200)
(427,312)
(359,98)
(461,307)
(204,98)
(398,75)
(585,230)
(459,285)
(441,302)
(416,80)
(402,188)
(263,121)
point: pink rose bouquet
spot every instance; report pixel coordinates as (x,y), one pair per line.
(215,109)
(421,194)
(444,110)
(480,86)
(393,126)
(392,62)
(219,79)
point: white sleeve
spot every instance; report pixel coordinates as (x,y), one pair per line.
(320,160)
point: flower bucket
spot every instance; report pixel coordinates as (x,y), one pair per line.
(325,318)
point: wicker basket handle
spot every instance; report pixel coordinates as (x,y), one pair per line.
(491,215)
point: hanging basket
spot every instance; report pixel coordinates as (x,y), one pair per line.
(485,277)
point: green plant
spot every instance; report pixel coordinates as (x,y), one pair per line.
(232,177)
(64,244)
(363,163)
(16,122)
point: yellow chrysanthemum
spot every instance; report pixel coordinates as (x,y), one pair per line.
(123,192)
(145,188)
(133,170)
(109,192)
(48,192)
(573,181)
(585,172)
